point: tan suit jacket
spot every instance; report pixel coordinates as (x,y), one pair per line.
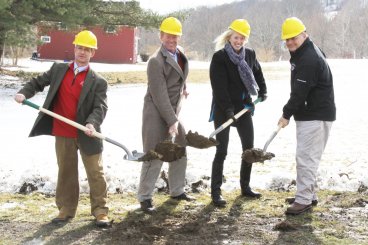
(166,81)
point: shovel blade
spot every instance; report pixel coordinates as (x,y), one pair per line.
(135,156)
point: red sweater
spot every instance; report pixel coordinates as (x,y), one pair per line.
(66,102)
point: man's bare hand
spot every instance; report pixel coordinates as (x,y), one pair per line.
(91,130)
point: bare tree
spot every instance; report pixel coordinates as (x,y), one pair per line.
(340,34)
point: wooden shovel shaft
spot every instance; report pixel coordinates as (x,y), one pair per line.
(230,121)
(79,126)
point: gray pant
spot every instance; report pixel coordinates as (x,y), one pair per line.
(312,138)
(150,172)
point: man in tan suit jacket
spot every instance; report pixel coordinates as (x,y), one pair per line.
(78,93)
(167,71)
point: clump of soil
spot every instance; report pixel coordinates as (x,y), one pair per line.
(149,156)
(256,155)
(285,226)
(170,151)
(27,188)
(199,186)
(198,141)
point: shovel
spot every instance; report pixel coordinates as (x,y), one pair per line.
(131,156)
(167,150)
(198,141)
(259,155)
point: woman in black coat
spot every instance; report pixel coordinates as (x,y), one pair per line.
(235,76)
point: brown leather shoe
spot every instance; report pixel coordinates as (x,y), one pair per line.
(185,197)
(290,200)
(297,208)
(61,218)
(102,221)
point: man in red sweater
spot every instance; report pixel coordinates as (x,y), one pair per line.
(78,93)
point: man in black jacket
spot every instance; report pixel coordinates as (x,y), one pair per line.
(312,104)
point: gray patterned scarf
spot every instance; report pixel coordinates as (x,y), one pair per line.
(245,72)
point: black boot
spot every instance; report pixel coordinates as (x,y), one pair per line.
(247,192)
(245,171)
(218,200)
(216,179)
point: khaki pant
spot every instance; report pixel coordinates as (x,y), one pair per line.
(67,189)
(312,138)
(150,172)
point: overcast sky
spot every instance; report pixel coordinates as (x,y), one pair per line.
(166,6)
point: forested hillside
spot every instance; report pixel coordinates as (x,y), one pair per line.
(340,34)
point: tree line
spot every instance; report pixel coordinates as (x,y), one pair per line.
(19,19)
(340,34)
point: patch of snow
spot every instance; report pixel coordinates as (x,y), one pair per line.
(10,205)
(343,166)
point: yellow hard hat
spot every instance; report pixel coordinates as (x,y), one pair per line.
(86,39)
(292,27)
(171,25)
(241,26)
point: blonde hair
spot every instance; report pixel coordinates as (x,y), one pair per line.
(223,38)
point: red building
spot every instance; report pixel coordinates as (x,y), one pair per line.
(119,45)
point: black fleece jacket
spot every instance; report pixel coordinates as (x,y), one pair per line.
(312,92)
(227,86)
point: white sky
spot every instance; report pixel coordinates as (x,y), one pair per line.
(166,6)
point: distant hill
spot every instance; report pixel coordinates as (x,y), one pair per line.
(338,27)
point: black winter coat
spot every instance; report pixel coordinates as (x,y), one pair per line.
(312,92)
(228,91)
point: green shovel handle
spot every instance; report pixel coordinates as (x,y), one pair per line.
(29,103)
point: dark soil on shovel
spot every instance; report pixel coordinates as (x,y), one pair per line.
(198,141)
(149,156)
(170,151)
(165,151)
(256,155)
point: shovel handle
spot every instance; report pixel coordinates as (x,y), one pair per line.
(80,127)
(61,118)
(230,121)
(273,135)
(173,137)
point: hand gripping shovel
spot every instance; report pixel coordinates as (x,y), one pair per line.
(167,150)
(259,155)
(198,141)
(131,156)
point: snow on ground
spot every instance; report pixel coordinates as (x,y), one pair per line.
(29,65)
(343,166)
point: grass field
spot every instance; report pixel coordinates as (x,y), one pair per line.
(339,218)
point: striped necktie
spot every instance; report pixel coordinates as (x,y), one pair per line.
(76,71)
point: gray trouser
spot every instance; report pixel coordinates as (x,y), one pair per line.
(150,172)
(312,137)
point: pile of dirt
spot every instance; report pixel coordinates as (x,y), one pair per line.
(198,141)
(149,156)
(170,151)
(256,155)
